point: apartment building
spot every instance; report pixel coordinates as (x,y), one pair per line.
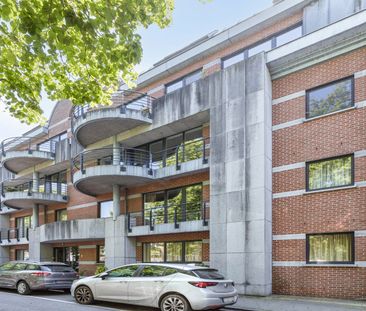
(246,151)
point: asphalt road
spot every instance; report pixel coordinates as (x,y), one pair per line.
(57,301)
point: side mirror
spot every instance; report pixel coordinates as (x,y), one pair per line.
(103,275)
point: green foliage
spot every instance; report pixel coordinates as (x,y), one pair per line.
(75,49)
(100,269)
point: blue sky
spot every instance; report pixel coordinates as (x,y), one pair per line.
(192,19)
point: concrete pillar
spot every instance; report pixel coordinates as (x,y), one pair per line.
(119,248)
(4,251)
(35,187)
(38,251)
(240,175)
(116,152)
(35,216)
(116,201)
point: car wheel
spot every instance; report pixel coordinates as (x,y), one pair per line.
(23,288)
(84,295)
(174,303)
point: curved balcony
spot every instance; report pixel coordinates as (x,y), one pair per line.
(91,124)
(23,194)
(20,153)
(96,171)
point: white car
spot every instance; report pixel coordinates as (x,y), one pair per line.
(170,287)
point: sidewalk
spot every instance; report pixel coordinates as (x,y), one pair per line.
(295,303)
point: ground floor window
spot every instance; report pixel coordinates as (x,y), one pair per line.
(21,254)
(68,255)
(61,215)
(183,251)
(330,248)
(100,253)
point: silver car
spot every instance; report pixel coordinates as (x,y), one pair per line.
(25,276)
(170,287)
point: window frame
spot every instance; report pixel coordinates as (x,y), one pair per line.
(351,233)
(307,177)
(308,91)
(272,38)
(98,254)
(183,79)
(58,212)
(183,243)
(58,136)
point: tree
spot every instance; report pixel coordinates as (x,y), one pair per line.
(75,49)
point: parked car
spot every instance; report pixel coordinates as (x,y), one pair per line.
(166,286)
(26,276)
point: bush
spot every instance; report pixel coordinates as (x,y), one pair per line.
(100,269)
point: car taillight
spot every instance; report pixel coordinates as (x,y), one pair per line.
(203,284)
(41,274)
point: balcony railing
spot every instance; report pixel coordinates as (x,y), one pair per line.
(8,234)
(26,185)
(175,156)
(25,144)
(126,100)
(174,213)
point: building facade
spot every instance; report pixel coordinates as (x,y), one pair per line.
(245,151)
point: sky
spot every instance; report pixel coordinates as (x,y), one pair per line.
(192,19)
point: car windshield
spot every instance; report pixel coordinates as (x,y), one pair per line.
(58,268)
(210,274)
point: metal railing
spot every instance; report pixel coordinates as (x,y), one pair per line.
(27,185)
(14,233)
(124,100)
(175,156)
(26,144)
(170,214)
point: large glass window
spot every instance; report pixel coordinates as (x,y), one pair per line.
(193,251)
(154,252)
(184,203)
(22,223)
(329,98)
(105,209)
(55,183)
(174,252)
(330,248)
(50,144)
(330,173)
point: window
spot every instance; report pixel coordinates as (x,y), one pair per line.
(152,271)
(265,46)
(33,267)
(288,36)
(61,215)
(186,80)
(154,252)
(193,251)
(55,183)
(6,266)
(21,254)
(50,144)
(174,252)
(330,248)
(106,209)
(100,253)
(231,60)
(123,272)
(209,274)
(329,98)
(186,251)
(22,223)
(330,173)
(20,266)
(185,203)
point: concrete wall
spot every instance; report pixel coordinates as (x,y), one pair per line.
(119,249)
(240,172)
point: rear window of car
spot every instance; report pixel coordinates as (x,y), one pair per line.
(210,274)
(33,267)
(57,268)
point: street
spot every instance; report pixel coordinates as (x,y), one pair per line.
(57,300)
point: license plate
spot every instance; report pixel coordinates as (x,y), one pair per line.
(229,300)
